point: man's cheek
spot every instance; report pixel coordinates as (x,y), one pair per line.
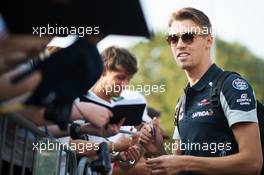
(117,88)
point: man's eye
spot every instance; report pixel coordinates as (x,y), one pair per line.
(121,77)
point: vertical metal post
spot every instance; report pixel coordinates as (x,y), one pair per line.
(11,169)
(24,152)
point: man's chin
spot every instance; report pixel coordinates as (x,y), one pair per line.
(185,66)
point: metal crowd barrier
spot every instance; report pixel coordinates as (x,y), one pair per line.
(83,166)
(20,133)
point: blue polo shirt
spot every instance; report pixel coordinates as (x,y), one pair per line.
(200,130)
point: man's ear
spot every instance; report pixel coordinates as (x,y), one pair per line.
(209,41)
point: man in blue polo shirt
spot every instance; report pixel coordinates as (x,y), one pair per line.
(227,142)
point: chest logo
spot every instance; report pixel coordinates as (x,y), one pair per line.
(203,102)
(203,113)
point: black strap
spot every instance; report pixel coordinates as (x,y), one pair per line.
(215,96)
(217,86)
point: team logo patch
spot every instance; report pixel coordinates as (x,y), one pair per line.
(240,84)
(203,102)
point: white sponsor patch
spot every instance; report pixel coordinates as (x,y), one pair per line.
(202,113)
(244,100)
(240,84)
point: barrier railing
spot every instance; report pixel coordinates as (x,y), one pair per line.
(17,140)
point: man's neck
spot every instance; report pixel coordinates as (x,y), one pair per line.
(98,91)
(195,74)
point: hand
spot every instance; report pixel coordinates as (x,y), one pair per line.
(17,49)
(152,145)
(167,165)
(140,168)
(109,130)
(133,154)
(125,142)
(98,116)
(10,90)
(112,129)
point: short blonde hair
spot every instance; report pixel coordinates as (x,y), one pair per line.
(193,14)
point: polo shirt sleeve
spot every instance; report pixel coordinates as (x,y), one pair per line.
(238,100)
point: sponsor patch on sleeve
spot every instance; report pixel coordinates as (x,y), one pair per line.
(244,100)
(240,84)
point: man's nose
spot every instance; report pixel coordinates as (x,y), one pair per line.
(181,44)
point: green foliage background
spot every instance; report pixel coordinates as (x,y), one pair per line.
(158,67)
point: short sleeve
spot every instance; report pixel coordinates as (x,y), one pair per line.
(238,100)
